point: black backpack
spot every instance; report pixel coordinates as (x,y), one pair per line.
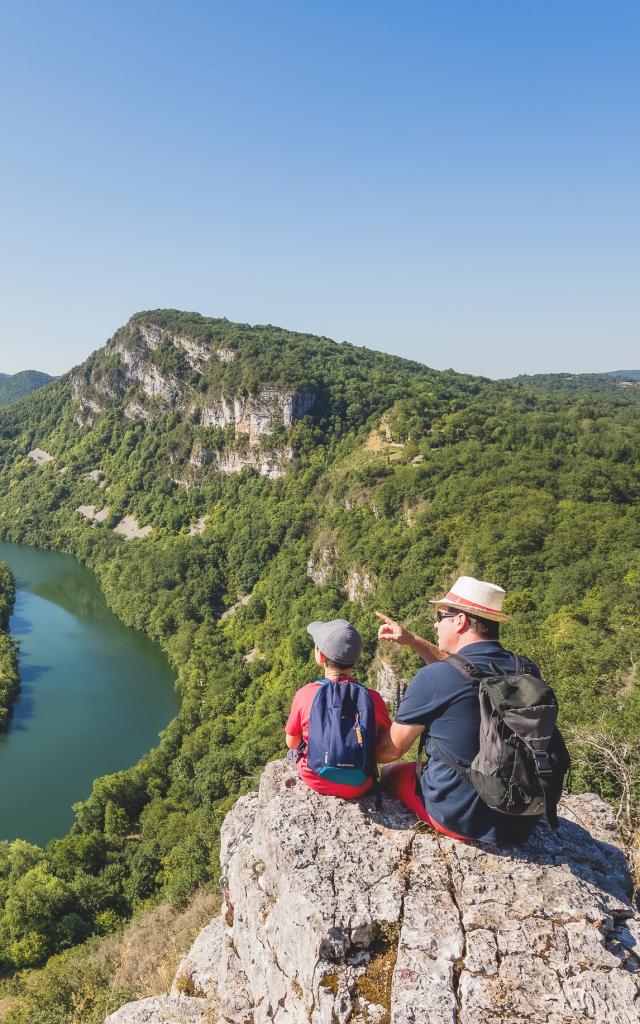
(523,759)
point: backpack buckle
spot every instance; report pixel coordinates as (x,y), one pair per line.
(544,767)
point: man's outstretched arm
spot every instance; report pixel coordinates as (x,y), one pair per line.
(397,634)
(393,743)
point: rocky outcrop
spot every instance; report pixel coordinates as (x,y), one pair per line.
(139,370)
(359,585)
(153,383)
(336,912)
(257,415)
(135,410)
(95,516)
(39,456)
(129,529)
(322,564)
(198,527)
(197,351)
(269,464)
(387,680)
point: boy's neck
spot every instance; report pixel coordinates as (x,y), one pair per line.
(336,673)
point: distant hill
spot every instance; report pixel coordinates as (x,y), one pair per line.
(17,385)
(628,374)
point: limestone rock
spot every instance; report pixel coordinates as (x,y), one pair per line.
(39,456)
(336,911)
(129,529)
(322,564)
(232,609)
(135,410)
(198,527)
(164,1010)
(89,512)
(197,352)
(387,680)
(270,464)
(258,414)
(197,971)
(360,583)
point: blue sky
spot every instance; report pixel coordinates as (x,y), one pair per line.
(453,181)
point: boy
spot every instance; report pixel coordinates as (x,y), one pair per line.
(337,649)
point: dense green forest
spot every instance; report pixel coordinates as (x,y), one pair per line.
(396,479)
(16,385)
(9,675)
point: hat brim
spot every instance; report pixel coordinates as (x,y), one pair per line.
(478,613)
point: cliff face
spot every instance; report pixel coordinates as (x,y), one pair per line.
(336,912)
(151,369)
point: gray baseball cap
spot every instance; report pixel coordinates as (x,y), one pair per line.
(338,639)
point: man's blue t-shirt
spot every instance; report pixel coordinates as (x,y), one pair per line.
(446,703)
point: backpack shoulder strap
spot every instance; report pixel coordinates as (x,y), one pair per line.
(474,674)
(466,667)
(523,665)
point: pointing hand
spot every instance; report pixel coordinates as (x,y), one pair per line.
(392,630)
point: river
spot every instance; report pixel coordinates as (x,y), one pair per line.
(94,695)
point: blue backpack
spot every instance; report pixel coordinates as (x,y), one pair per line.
(341,744)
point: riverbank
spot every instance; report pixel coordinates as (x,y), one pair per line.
(9,672)
(88,686)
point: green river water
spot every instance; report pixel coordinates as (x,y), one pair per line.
(94,694)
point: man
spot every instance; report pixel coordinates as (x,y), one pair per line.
(337,648)
(444,702)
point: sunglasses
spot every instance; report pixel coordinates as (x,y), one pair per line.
(440,615)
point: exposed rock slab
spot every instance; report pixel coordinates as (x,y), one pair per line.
(198,527)
(359,585)
(89,512)
(338,912)
(165,1010)
(232,609)
(387,679)
(39,456)
(129,529)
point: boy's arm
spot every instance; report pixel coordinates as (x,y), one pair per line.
(293,728)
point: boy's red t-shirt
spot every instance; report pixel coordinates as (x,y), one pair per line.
(298,725)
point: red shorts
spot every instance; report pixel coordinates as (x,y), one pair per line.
(400,781)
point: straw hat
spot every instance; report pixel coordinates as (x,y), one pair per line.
(477,598)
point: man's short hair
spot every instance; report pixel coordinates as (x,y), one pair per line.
(485,628)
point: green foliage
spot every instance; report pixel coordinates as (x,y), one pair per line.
(75,987)
(9,674)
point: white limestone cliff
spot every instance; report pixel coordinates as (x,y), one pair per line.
(149,391)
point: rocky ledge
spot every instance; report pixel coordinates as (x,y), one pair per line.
(336,912)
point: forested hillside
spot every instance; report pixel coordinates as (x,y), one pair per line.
(17,385)
(9,677)
(265,479)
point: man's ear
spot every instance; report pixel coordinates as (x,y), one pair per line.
(321,659)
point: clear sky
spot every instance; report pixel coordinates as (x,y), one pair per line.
(456,181)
